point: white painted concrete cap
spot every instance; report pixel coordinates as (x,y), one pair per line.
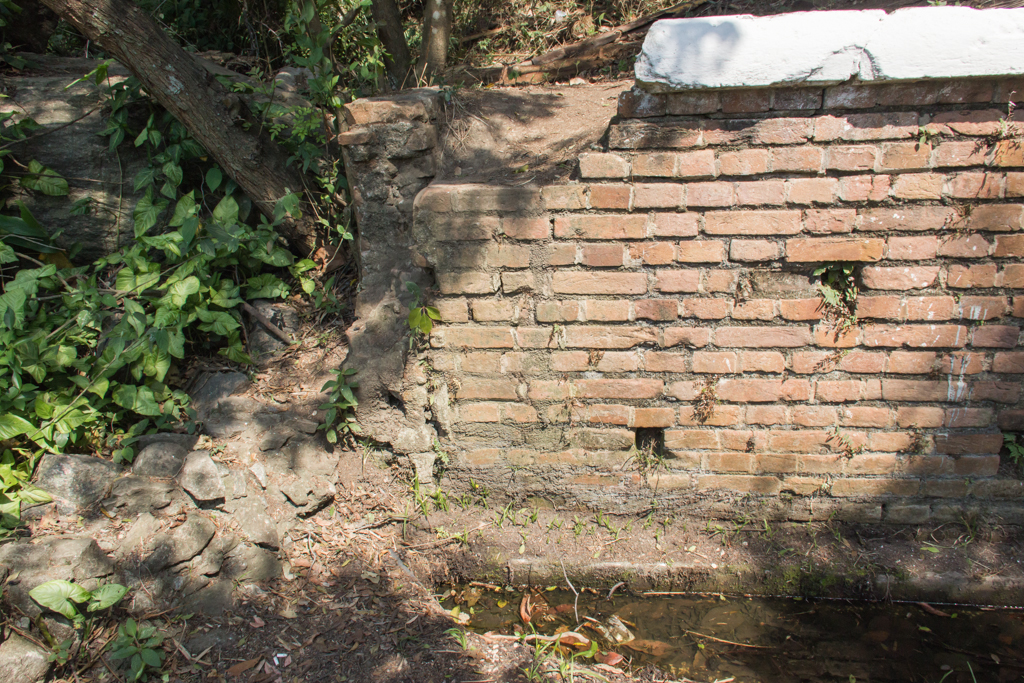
(825,48)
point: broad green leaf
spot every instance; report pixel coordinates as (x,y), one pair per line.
(106,596)
(150,657)
(146,213)
(213,178)
(33,495)
(42,179)
(66,355)
(226,211)
(145,178)
(181,290)
(173,173)
(58,596)
(184,209)
(6,253)
(12,425)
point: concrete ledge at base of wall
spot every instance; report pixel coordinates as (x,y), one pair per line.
(688,574)
(826,48)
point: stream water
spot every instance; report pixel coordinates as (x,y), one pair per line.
(746,640)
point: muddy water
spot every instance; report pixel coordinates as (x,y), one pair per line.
(771,640)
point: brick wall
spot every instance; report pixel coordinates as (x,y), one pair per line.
(680,256)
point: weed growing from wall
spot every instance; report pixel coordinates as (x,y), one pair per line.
(837,286)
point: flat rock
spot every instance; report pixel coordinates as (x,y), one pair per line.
(255,522)
(282,314)
(251,563)
(210,561)
(132,495)
(201,478)
(186,441)
(160,459)
(826,48)
(136,541)
(180,544)
(213,387)
(231,417)
(301,457)
(22,661)
(75,481)
(274,440)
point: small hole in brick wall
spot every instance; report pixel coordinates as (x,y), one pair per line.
(395,401)
(650,439)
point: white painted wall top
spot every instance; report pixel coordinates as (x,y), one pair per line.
(825,48)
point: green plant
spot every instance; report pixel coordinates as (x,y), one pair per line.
(1014,448)
(421,317)
(339,420)
(837,286)
(459,636)
(61,596)
(141,646)
(16,491)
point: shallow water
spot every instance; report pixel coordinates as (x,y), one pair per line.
(798,640)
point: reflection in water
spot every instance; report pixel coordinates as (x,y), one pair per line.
(769,640)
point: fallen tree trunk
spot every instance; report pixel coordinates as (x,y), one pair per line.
(175,80)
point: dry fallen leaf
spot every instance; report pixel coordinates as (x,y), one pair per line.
(242,667)
(257,623)
(610,658)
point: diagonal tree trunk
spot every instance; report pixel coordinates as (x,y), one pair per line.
(175,80)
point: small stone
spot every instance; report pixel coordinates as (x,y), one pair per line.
(160,459)
(414,440)
(260,472)
(186,441)
(297,491)
(75,481)
(22,661)
(303,425)
(180,544)
(200,477)
(214,599)
(251,564)
(274,440)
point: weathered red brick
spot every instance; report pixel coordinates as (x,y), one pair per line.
(826,250)
(905,156)
(606,310)
(716,362)
(782,131)
(564,197)
(701,251)
(677,280)
(601,227)
(664,361)
(850,488)
(599,165)
(697,337)
(653,253)
(766,337)
(611,196)
(921,417)
(700,164)
(602,255)
(637,103)
(1009,362)
(656,309)
(716,194)
(707,309)
(812,190)
(960,417)
(467,283)
(752,222)
(1000,392)
(918,186)
(913,248)
(754,250)
(754,309)
(863,188)
(619,361)
(676,224)
(797,98)
(960,153)
(653,417)
(983,307)
(995,336)
(501,389)
(743,101)
(829,221)
(619,388)
(526,228)
(657,195)
(899,278)
(966,277)
(611,337)
(905,218)
(743,162)
(858,127)
(557,311)
(721,280)
(797,159)
(761,193)
(687,103)
(881,307)
(975,186)
(996,217)
(916,336)
(931,308)
(800,309)
(852,158)
(839,391)
(1011,276)
(762,361)
(489,310)
(813,416)
(749,390)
